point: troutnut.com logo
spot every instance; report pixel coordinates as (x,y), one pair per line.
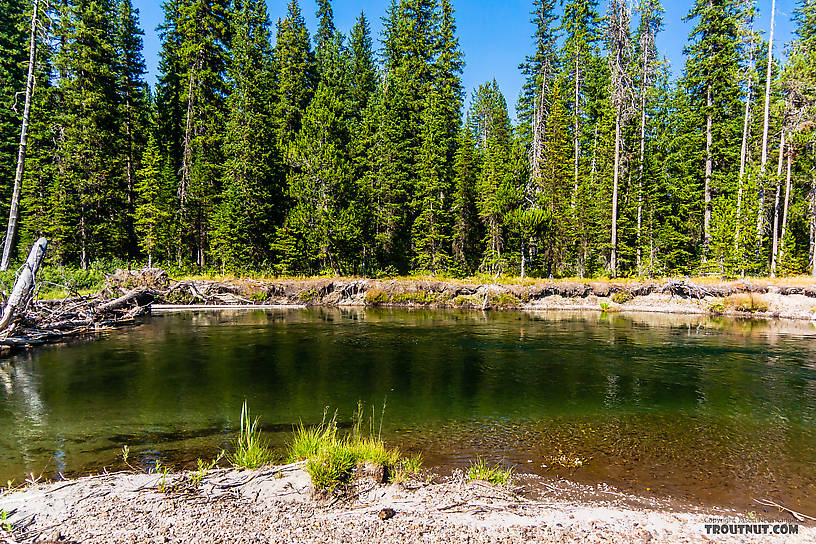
(743,527)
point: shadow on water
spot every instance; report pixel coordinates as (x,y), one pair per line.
(715,411)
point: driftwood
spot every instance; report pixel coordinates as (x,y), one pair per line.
(25,323)
(24,286)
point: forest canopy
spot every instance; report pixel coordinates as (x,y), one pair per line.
(272,148)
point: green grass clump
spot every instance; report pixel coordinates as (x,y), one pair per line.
(5,525)
(375,297)
(621,297)
(331,459)
(251,451)
(748,302)
(496,475)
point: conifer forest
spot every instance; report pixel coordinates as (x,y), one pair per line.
(268,146)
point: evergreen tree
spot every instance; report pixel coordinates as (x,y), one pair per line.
(432,227)
(170,118)
(468,232)
(539,70)
(132,111)
(295,72)
(88,214)
(362,68)
(322,229)
(13,57)
(252,193)
(580,26)
(154,188)
(490,123)
(713,117)
(203,27)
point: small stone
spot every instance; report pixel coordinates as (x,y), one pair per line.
(387,513)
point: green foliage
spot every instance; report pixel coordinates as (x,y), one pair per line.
(496,475)
(251,450)
(5,524)
(331,459)
(375,297)
(621,297)
(318,157)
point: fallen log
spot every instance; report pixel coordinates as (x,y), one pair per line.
(141,297)
(24,286)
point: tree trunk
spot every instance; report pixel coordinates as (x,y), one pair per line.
(743,158)
(785,211)
(708,172)
(14,209)
(24,286)
(575,137)
(613,261)
(775,246)
(640,168)
(813,226)
(761,212)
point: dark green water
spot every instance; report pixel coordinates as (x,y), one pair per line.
(715,412)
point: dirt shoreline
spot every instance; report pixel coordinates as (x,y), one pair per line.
(765,299)
(279,505)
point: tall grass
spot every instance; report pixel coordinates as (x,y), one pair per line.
(496,475)
(332,459)
(251,450)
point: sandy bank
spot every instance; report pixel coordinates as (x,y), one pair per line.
(765,299)
(270,505)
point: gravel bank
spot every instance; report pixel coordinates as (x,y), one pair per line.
(270,505)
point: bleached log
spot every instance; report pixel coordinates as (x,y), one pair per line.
(24,286)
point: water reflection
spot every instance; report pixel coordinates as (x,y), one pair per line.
(711,409)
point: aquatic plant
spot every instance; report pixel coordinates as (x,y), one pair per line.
(251,451)
(496,475)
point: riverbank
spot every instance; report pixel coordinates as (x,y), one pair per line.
(279,505)
(788,299)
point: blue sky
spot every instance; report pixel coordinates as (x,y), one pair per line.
(494,35)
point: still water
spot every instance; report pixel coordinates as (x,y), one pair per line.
(705,410)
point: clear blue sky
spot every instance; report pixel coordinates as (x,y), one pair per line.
(495,35)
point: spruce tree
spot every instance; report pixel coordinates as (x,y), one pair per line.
(132,108)
(296,74)
(204,35)
(251,204)
(712,84)
(89,222)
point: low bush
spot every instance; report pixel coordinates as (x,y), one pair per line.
(375,297)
